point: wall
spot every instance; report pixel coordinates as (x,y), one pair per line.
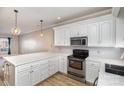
(33,42)
(14,43)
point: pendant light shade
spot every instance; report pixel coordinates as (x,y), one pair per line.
(15,30)
(41,33)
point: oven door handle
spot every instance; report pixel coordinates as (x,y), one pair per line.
(75,74)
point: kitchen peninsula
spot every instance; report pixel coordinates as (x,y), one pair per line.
(30,69)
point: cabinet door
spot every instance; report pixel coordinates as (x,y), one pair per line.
(53,66)
(82,30)
(44,73)
(58,37)
(67,37)
(120,30)
(92,70)
(73,31)
(63,64)
(35,75)
(78,30)
(24,78)
(60,65)
(93,34)
(107,33)
(56,61)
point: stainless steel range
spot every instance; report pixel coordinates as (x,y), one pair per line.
(76,64)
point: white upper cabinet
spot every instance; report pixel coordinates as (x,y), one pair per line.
(83,30)
(93,34)
(67,37)
(61,37)
(107,33)
(58,37)
(100,32)
(120,29)
(78,30)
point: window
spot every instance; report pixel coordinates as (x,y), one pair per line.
(4,45)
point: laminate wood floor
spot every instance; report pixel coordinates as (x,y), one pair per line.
(57,80)
(60,80)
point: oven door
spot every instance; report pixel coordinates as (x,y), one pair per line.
(76,64)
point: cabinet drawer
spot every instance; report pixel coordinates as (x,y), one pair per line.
(92,63)
(23,67)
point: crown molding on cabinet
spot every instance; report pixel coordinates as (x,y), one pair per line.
(115,11)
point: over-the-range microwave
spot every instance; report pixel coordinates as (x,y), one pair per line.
(79,41)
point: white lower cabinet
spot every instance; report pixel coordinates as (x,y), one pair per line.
(23,78)
(44,70)
(28,76)
(63,64)
(92,70)
(53,66)
(44,74)
(34,73)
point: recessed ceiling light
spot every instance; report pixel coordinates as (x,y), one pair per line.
(59,18)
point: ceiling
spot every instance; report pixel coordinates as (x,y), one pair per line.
(29,17)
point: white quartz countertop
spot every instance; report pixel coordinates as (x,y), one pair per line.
(28,58)
(108,79)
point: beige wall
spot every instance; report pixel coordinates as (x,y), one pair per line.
(32,42)
(14,43)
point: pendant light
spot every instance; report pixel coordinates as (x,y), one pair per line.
(16,30)
(41,33)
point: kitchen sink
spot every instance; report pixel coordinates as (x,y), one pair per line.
(114,69)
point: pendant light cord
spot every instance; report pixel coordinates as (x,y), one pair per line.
(16,11)
(41,25)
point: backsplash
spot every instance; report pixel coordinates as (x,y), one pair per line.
(114,53)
